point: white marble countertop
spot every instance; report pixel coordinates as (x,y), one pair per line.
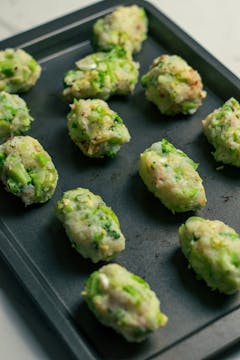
(215,25)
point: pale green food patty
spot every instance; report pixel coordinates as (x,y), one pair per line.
(96,129)
(27,170)
(172,177)
(173,85)
(14,115)
(101,75)
(126,27)
(92,226)
(123,301)
(222,129)
(19,71)
(213,251)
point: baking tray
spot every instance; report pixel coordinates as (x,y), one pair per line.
(34,244)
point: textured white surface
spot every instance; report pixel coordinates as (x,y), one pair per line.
(17,342)
(213,23)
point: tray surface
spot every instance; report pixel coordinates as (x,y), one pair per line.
(34,242)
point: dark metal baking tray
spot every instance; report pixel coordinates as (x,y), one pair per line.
(34,244)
